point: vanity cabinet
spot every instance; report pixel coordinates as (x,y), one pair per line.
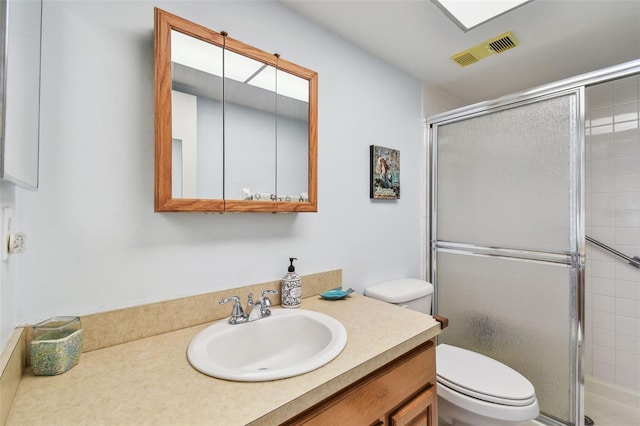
(402,392)
(421,410)
(385,375)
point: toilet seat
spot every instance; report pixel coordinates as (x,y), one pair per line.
(481,377)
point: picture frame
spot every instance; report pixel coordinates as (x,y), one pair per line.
(384,182)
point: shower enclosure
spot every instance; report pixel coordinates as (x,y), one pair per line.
(612,282)
(507,234)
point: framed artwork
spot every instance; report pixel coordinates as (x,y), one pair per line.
(385,173)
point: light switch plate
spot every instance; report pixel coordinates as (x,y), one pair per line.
(7,217)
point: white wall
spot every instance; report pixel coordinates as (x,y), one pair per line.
(437,101)
(8,308)
(612,332)
(94,242)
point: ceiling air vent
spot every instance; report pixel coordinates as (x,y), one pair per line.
(465,58)
(505,42)
(499,44)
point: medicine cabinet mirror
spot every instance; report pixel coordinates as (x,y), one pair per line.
(236,127)
(20,29)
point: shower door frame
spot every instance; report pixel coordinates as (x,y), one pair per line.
(577,209)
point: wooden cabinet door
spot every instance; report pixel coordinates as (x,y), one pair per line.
(419,411)
(372,399)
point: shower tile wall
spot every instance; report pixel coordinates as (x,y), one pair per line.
(612,332)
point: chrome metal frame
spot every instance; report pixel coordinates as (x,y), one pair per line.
(561,258)
(576,259)
(578,226)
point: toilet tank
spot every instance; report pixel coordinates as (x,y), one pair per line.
(412,293)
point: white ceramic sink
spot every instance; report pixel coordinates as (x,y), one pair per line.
(287,343)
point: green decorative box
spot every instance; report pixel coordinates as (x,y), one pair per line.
(56,345)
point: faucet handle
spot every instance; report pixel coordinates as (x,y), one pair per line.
(266,302)
(265,299)
(237,314)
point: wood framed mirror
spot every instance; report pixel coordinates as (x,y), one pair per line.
(235,126)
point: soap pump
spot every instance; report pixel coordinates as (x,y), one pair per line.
(291,291)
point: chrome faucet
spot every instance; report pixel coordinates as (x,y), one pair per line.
(256,310)
(237,314)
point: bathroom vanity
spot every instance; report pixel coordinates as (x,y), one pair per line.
(401,393)
(384,375)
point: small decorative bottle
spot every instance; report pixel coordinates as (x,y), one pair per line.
(291,291)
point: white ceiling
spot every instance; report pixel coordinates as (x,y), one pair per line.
(558,39)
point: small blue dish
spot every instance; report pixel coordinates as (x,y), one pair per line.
(336,293)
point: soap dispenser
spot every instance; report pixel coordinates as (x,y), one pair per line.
(291,291)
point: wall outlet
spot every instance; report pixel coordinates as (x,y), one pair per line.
(17,243)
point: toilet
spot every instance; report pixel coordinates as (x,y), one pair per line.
(473,389)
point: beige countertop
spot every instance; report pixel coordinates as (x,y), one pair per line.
(150,381)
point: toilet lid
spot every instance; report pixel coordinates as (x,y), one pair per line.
(481,377)
(400,291)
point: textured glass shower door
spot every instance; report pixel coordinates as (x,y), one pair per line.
(507,241)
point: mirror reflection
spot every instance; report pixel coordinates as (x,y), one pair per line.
(197,118)
(273,102)
(292,137)
(250,128)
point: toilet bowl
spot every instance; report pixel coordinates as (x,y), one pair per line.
(473,389)
(476,390)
